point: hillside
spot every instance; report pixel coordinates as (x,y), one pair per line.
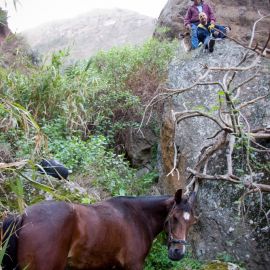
(146,120)
(91,32)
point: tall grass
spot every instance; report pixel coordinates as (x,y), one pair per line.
(53,111)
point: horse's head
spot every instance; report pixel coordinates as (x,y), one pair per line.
(178,222)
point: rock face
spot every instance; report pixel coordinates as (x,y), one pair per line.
(91,32)
(139,147)
(222,230)
(240,15)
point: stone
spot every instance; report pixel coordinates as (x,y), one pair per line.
(218,202)
(239,15)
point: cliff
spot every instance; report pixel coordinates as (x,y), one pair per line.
(230,223)
(240,15)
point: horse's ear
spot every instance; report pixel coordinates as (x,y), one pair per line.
(192,198)
(178,196)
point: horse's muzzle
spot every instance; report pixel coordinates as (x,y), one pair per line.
(176,254)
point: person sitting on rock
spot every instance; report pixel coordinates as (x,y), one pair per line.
(191,19)
(207,32)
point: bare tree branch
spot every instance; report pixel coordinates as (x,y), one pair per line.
(220,142)
(264,149)
(17,164)
(174,163)
(257,187)
(260,135)
(189,114)
(236,68)
(229,152)
(254,27)
(245,104)
(244,82)
(265,46)
(230,178)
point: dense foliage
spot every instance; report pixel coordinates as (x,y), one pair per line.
(73,114)
(158,258)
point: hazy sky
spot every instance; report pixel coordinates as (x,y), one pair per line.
(31,13)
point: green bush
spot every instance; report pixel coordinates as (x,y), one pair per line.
(158,258)
(91,96)
(107,169)
(92,157)
(73,114)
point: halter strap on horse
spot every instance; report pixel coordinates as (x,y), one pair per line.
(177,241)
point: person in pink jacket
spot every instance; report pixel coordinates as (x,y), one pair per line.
(191,19)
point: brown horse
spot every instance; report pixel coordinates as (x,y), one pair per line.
(114,234)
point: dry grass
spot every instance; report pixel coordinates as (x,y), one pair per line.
(144,83)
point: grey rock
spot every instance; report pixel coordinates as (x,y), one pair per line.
(222,229)
(240,15)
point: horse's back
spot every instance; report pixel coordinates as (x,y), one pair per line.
(48,213)
(114,234)
(45,235)
(103,237)
(110,235)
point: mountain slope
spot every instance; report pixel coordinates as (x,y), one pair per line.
(88,33)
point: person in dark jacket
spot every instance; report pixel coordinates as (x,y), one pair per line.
(207,32)
(191,20)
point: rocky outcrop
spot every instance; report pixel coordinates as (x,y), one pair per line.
(139,146)
(223,230)
(240,15)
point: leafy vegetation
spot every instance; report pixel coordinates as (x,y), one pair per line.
(158,258)
(74,114)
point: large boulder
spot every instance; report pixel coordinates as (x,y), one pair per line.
(225,228)
(240,15)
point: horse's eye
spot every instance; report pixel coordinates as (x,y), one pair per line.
(175,220)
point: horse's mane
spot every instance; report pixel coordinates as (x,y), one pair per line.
(141,198)
(149,203)
(146,200)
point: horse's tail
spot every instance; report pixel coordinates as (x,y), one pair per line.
(10,231)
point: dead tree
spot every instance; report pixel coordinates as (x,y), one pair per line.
(233,127)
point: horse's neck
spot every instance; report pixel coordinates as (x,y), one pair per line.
(151,212)
(156,213)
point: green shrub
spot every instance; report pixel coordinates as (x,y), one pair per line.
(95,96)
(158,258)
(92,157)
(80,109)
